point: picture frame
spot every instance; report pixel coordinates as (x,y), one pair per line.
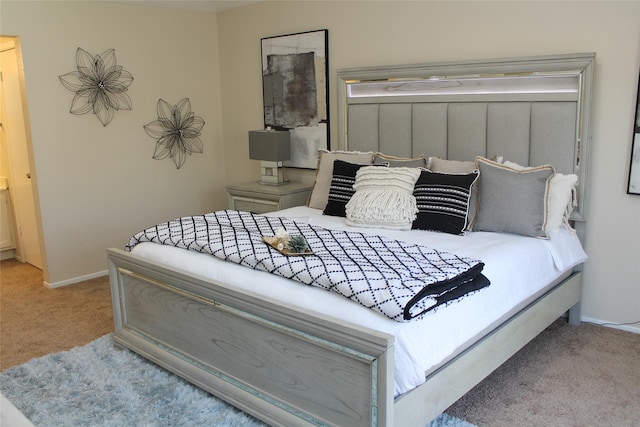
(295,85)
(634,164)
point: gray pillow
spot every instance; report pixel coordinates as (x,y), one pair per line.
(400,162)
(512,201)
(324,174)
(439,165)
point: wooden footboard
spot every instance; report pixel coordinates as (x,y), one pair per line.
(287,367)
(283,366)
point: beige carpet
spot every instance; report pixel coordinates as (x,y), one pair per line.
(568,376)
(35,320)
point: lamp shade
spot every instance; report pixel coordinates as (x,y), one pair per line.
(269,145)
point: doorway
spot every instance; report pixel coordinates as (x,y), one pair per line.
(14,140)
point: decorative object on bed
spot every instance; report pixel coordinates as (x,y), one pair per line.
(177,131)
(634,166)
(513,201)
(100,85)
(287,244)
(298,245)
(295,81)
(383,198)
(399,280)
(443,201)
(271,147)
(324,173)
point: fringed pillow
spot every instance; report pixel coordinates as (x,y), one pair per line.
(383,198)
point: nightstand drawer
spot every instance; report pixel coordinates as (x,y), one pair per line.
(253,205)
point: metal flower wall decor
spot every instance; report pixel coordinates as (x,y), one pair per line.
(100,85)
(177,131)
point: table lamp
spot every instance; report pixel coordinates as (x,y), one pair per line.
(271,147)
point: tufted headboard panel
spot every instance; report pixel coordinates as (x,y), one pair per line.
(528,133)
(531,111)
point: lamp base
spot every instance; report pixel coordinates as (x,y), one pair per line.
(272,173)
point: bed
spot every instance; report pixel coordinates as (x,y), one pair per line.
(292,354)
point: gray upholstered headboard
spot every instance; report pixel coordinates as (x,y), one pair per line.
(531,111)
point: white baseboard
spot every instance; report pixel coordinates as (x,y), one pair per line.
(7,254)
(635,328)
(75,280)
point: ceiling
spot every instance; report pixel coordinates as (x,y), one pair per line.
(198,5)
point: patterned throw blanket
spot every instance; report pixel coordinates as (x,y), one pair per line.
(400,280)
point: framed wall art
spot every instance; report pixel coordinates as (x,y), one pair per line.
(634,168)
(295,84)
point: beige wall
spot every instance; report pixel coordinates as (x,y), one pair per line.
(99,185)
(393,32)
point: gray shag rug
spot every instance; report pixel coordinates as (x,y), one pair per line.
(99,385)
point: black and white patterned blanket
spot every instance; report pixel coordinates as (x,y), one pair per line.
(402,281)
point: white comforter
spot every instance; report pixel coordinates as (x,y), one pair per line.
(519,268)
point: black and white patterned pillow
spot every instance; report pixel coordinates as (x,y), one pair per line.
(443,201)
(341,188)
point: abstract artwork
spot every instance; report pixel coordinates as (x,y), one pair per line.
(100,85)
(177,131)
(295,92)
(634,168)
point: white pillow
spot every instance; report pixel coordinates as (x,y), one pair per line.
(560,200)
(560,204)
(383,198)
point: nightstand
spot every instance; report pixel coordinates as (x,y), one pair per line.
(259,198)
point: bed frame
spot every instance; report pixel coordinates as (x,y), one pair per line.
(288,367)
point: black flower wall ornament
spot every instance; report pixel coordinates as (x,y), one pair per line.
(177,131)
(100,85)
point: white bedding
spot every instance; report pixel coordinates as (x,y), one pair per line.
(519,268)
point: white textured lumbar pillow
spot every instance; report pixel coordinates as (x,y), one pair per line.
(383,198)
